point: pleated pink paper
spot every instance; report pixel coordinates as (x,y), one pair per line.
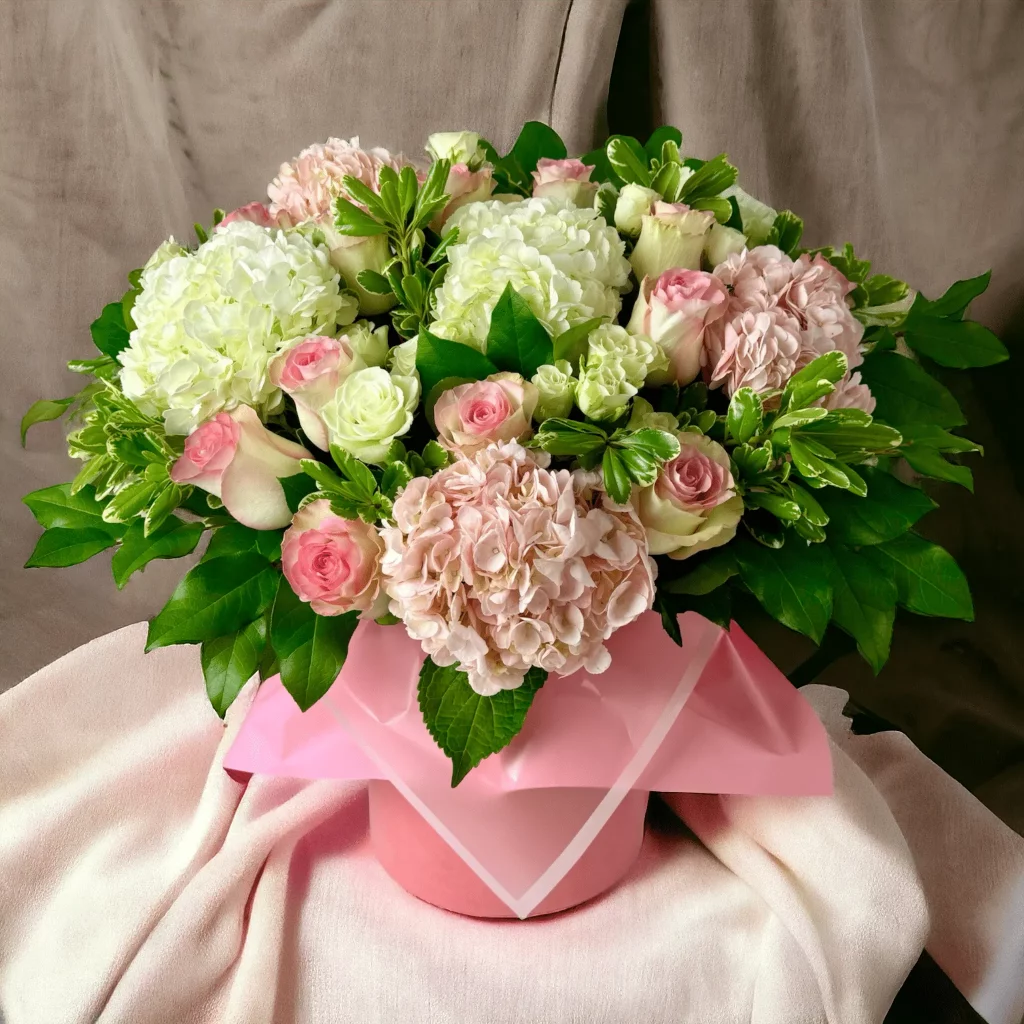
(714,716)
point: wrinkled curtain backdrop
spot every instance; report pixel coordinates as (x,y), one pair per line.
(896,125)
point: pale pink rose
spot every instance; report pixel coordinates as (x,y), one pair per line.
(672,236)
(465,186)
(236,458)
(311,371)
(564,179)
(693,505)
(306,188)
(471,416)
(498,564)
(255,213)
(850,393)
(755,349)
(674,310)
(331,562)
(816,296)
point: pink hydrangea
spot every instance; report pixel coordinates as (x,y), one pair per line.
(775,301)
(305,188)
(850,393)
(499,564)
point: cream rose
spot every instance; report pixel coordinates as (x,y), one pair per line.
(634,203)
(459,147)
(722,243)
(350,255)
(556,388)
(370,409)
(672,236)
(693,505)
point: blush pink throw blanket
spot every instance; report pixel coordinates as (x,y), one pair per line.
(140,883)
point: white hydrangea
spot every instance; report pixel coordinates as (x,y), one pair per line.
(564,260)
(208,322)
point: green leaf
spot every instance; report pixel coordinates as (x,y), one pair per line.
(800,417)
(616,478)
(57,507)
(61,547)
(927,435)
(928,581)
(710,179)
(864,601)
(517,340)
(109,333)
(707,576)
(371,281)
(350,220)
(628,160)
(957,343)
(465,725)
(884,290)
(848,265)
(215,597)
(658,444)
(435,456)
(792,583)
(745,415)
(814,380)
(811,465)
(889,509)
(959,296)
(566,438)
(781,507)
(572,344)
(842,435)
(437,358)
(659,137)
(229,662)
(236,539)
(537,140)
(786,232)
(721,208)
(931,463)
(396,476)
(43,411)
(312,648)
(906,394)
(668,181)
(295,488)
(174,538)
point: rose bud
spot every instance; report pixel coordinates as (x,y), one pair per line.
(633,204)
(256,213)
(722,243)
(236,458)
(331,562)
(352,254)
(672,236)
(564,179)
(464,186)
(471,416)
(673,310)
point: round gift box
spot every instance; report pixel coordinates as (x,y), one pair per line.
(420,861)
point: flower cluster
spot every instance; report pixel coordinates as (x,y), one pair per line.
(414,395)
(498,564)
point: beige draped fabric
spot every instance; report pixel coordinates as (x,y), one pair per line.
(896,124)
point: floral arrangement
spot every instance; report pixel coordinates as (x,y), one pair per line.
(511,403)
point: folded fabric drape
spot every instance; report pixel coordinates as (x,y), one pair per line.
(141,883)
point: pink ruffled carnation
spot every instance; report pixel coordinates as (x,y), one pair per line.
(305,188)
(782,314)
(499,564)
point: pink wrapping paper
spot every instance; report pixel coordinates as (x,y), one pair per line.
(714,716)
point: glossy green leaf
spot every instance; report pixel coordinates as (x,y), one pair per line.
(666,133)
(537,140)
(959,296)
(710,179)
(572,344)
(931,463)
(236,539)
(174,538)
(517,341)
(928,580)
(61,547)
(864,601)
(214,598)
(350,220)
(616,477)
(628,160)
(43,411)
(465,725)
(957,343)
(745,415)
(311,648)
(709,575)
(792,584)
(57,507)
(229,662)
(109,333)
(889,510)
(437,358)
(296,487)
(906,394)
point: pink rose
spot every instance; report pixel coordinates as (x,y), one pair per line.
(564,179)
(759,350)
(471,416)
(331,562)
(674,311)
(311,372)
(236,458)
(255,213)
(671,236)
(464,186)
(693,505)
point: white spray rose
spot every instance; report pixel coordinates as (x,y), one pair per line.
(459,147)
(369,343)
(633,204)
(402,359)
(604,389)
(638,354)
(370,409)
(556,387)
(722,243)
